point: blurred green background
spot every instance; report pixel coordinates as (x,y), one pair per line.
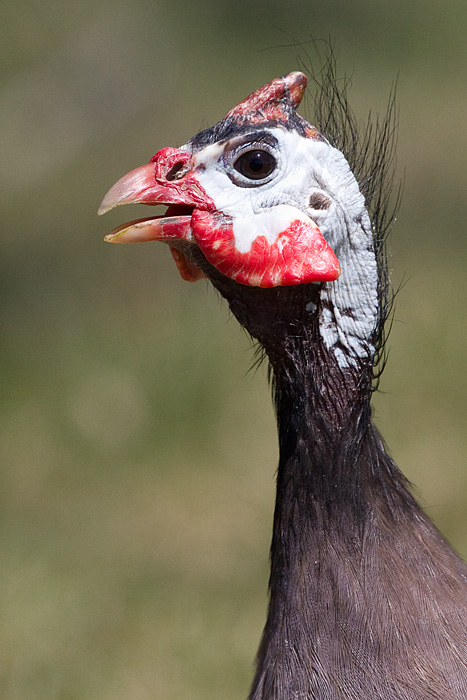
(137,451)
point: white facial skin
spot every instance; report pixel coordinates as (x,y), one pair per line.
(306,169)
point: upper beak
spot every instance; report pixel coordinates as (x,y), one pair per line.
(144,185)
(135,187)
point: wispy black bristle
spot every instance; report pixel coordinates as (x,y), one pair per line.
(369,148)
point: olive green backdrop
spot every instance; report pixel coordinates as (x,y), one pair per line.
(137,451)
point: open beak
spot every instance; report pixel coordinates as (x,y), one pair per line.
(159,182)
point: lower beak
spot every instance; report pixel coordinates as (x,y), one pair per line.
(152,229)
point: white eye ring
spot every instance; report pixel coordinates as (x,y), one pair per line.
(263,166)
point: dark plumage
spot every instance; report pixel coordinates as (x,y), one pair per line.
(367,600)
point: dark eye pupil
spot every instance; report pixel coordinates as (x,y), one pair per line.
(255,165)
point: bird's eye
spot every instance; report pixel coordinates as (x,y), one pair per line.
(255,164)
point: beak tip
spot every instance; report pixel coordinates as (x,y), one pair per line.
(105,206)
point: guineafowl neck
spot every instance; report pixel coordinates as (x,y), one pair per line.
(350,554)
(333,464)
(335,486)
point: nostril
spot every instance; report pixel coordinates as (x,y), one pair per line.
(171,164)
(177,171)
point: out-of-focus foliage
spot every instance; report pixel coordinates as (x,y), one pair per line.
(137,452)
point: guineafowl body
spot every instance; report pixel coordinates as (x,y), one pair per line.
(367,600)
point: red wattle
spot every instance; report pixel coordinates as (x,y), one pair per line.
(298,255)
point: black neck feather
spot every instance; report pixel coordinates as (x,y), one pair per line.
(331,455)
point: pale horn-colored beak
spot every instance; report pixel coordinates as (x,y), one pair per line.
(135,187)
